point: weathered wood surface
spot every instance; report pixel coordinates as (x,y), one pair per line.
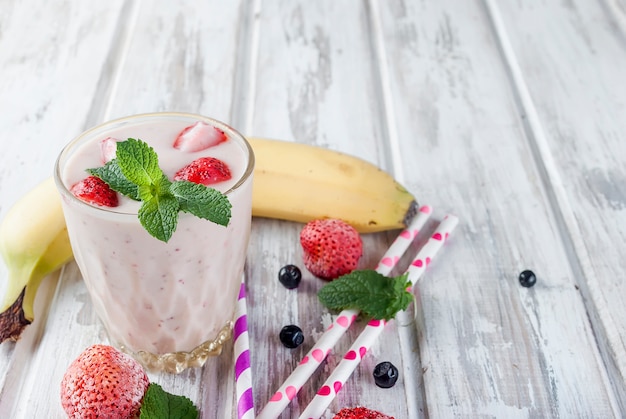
(510,114)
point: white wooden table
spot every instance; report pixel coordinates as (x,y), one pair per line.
(510,114)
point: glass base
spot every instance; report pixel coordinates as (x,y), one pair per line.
(177,362)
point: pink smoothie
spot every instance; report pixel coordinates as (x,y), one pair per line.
(154,296)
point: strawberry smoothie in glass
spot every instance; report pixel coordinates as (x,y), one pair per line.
(169,303)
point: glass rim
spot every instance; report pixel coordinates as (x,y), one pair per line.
(232,133)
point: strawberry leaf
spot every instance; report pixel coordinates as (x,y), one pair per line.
(159,404)
(202,201)
(375,295)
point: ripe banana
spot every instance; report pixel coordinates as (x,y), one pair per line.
(33,243)
(292,181)
(300,182)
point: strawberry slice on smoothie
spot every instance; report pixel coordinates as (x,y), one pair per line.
(108,148)
(199,136)
(205,171)
(95,191)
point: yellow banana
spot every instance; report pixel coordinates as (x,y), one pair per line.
(292,181)
(300,182)
(33,243)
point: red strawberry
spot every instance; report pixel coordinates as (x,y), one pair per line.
(360,413)
(108,148)
(199,136)
(105,383)
(94,190)
(331,248)
(205,170)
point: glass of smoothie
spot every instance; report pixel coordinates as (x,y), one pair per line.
(170,303)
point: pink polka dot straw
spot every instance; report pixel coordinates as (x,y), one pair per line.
(372,331)
(292,385)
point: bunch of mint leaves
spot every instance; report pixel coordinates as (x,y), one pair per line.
(135,172)
(373,294)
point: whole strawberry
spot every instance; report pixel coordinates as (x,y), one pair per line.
(360,413)
(331,248)
(103,383)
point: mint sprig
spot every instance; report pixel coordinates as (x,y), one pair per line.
(159,404)
(135,172)
(373,294)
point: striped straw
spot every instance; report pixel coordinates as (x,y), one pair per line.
(243,372)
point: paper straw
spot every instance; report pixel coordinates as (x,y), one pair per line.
(374,328)
(312,360)
(243,372)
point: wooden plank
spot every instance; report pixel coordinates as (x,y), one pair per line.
(317,83)
(179,57)
(574,75)
(489,347)
(424,91)
(50,77)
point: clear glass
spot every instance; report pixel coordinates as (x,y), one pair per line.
(170,305)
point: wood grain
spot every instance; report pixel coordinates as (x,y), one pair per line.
(508,114)
(490,347)
(582,154)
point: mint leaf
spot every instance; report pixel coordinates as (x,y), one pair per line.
(138,162)
(159,216)
(112,175)
(203,202)
(159,404)
(375,295)
(157,188)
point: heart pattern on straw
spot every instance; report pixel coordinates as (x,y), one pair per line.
(290,392)
(343,321)
(324,391)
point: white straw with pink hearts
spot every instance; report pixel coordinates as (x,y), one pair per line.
(243,372)
(292,385)
(374,328)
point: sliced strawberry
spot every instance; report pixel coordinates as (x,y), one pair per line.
(199,136)
(95,191)
(331,248)
(360,413)
(205,170)
(108,148)
(105,383)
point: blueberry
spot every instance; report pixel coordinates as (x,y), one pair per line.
(290,276)
(527,278)
(385,374)
(291,336)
